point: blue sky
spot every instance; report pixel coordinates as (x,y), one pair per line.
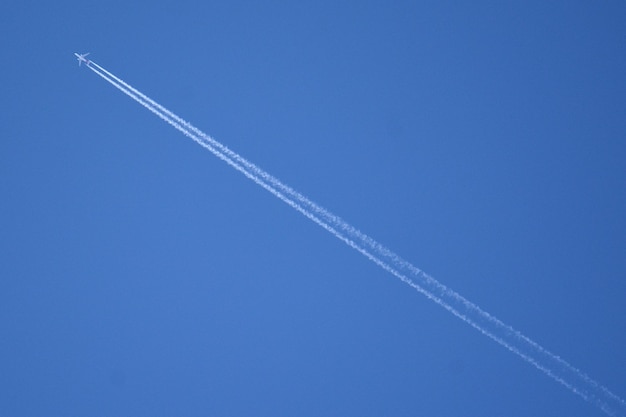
(140,275)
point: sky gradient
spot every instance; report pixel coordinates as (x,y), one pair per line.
(140,275)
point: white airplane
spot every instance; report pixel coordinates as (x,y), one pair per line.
(81,58)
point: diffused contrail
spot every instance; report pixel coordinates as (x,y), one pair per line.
(549,363)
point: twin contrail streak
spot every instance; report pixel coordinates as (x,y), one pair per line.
(530,351)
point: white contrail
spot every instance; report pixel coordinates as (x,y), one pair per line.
(549,363)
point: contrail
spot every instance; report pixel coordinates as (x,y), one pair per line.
(533,353)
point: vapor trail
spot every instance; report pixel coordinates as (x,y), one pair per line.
(534,354)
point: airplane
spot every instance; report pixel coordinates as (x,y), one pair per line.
(81,58)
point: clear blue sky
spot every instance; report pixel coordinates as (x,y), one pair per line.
(139,275)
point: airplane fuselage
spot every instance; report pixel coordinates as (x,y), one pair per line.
(81,58)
